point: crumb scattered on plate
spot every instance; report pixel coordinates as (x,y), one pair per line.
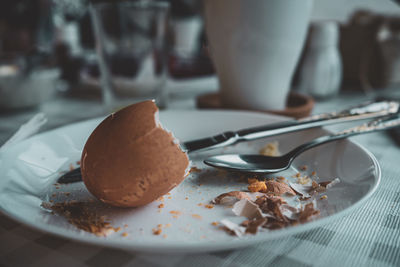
(270,149)
(82,216)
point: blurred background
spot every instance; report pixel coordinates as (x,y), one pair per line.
(47,50)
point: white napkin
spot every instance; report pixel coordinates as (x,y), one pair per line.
(26,130)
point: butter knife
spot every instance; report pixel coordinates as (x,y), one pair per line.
(368,110)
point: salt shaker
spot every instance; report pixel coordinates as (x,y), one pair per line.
(320,72)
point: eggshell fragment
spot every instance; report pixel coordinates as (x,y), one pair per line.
(129,160)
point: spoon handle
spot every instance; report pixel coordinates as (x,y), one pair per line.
(372,126)
(369,110)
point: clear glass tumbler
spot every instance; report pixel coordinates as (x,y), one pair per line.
(132,51)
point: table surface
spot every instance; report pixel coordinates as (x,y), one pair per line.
(367,237)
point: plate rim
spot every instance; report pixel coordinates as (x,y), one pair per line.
(182,247)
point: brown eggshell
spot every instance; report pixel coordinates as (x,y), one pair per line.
(129,160)
(279,188)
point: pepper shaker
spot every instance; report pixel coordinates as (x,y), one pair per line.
(320,72)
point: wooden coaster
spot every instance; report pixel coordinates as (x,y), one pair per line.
(298,105)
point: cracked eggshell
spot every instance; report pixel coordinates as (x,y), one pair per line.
(130,160)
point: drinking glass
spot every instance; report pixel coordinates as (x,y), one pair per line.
(131,49)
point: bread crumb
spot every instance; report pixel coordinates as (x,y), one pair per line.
(164,236)
(270,149)
(324,197)
(304,167)
(303,180)
(161,206)
(175,212)
(124,234)
(215,223)
(209,206)
(252,180)
(157,231)
(297,175)
(196,216)
(257,187)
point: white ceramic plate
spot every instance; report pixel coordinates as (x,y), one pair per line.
(29,170)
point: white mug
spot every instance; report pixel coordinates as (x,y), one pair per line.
(255,46)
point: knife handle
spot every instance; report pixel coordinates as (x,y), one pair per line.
(220,140)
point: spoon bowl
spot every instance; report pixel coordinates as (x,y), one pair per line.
(249,163)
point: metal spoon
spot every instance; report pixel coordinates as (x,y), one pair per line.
(266,164)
